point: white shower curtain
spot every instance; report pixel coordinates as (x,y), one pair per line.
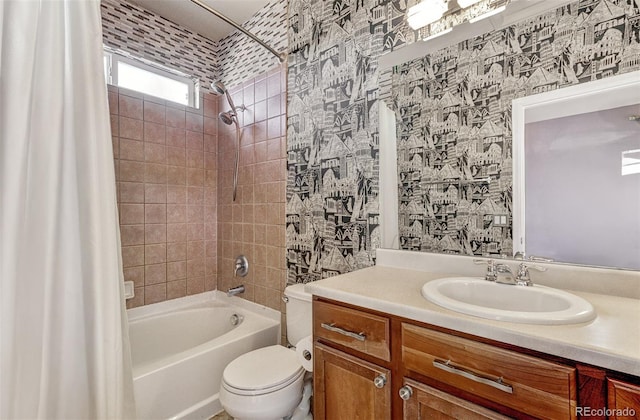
(63,330)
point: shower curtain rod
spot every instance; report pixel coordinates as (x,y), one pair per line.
(281,56)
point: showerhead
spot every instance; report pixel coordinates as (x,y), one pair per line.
(227,117)
(218,88)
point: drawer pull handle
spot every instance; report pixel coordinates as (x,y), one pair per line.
(333,328)
(496,383)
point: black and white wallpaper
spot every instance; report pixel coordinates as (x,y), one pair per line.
(332,224)
(454,123)
(454,114)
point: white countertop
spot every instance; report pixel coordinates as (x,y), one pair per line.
(610,341)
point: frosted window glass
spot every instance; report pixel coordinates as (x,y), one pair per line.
(140,80)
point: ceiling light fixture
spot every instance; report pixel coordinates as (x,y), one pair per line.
(488,14)
(426,12)
(466,3)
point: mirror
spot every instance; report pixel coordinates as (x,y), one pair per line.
(455,138)
(577,173)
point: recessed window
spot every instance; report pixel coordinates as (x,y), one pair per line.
(150,79)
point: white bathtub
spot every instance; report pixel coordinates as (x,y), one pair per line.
(179,349)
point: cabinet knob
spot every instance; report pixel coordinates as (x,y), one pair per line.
(405,392)
(380,381)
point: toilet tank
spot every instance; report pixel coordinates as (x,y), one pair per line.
(298,303)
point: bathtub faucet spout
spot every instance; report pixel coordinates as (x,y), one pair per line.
(235,290)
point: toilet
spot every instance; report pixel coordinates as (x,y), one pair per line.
(267,383)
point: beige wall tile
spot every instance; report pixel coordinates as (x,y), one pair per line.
(132,192)
(131,214)
(175,118)
(135,274)
(132,256)
(176,251)
(130,128)
(155,293)
(130,107)
(155,273)
(154,112)
(176,289)
(155,213)
(156,253)
(176,270)
(155,193)
(154,133)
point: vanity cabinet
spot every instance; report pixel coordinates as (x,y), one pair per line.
(369,364)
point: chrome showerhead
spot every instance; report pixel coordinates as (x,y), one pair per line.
(227,117)
(218,88)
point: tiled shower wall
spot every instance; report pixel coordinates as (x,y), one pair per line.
(253,225)
(166,172)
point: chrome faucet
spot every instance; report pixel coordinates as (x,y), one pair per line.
(501,273)
(235,290)
(522,278)
(490,275)
(504,275)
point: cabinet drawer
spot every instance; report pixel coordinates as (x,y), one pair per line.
(540,388)
(352,328)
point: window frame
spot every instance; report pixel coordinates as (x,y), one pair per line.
(113,58)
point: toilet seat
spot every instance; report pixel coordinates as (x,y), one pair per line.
(262,371)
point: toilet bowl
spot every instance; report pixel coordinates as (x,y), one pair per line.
(264,384)
(268,383)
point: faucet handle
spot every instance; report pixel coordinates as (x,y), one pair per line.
(241,267)
(491,269)
(522,277)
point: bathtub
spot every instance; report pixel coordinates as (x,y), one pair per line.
(179,349)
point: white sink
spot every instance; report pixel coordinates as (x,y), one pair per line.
(523,304)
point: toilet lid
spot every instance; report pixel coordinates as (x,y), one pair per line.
(268,368)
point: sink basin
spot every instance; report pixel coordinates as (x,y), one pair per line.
(527,305)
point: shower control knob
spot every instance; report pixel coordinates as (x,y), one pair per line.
(380,381)
(405,392)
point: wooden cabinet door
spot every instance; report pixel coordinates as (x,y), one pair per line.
(345,387)
(426,402)
(624,400)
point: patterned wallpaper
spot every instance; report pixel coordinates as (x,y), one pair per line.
(142,33)
(454,123)
(240,58)
(454,113)
(332,139)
